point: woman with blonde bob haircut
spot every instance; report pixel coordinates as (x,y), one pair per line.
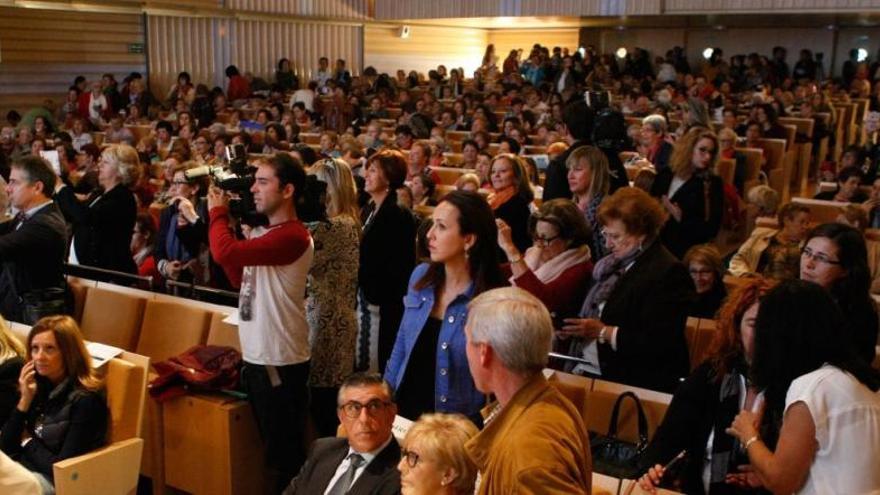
(589,183)
(691,192)
(61,405)
(332,291)
(433,460)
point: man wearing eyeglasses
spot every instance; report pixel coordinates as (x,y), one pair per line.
(365,461)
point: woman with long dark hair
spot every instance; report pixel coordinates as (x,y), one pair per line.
(428,368)
(835,257)
(819,396)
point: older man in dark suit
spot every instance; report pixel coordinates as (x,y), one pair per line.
(365,462)
(32,245)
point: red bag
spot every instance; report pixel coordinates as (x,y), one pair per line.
(201,367)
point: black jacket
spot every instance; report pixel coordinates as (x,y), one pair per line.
(9,372)
(388,253)
(515,213)
(556,180)
(686,425)
(192,236)
(102,228)
(693,228)
(32,257)
(649,304)
(380,477)
(72,421)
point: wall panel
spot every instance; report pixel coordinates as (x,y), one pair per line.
(432,9)
(44,50)
(425,49)
(337,9)
(204,47)
(730,6)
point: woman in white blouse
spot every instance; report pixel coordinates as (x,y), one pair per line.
(820,430)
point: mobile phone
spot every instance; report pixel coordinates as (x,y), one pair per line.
(672,468)
(558,320)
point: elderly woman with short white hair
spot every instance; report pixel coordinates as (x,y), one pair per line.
(657,148)
(433,459)
(103,222)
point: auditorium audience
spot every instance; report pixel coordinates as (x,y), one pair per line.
(511,196)
(653,139)
(707,271)
(834,256)
(387,257)
(774,252)
(690,192)
(183,227)
(706,402)
(332,291)
(556,268)
(143,247)
(433,459)
(631,325)
(848,181)
(534,440)
(820,398)
(463,246)
(61,405)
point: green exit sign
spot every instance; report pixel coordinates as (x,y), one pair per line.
(135,48)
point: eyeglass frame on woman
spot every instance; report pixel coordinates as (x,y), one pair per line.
(412,458)
(544,241)
(818,257)
(352,409)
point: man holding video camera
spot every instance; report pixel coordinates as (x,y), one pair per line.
(271,267)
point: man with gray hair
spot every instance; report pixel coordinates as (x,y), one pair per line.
(534,440)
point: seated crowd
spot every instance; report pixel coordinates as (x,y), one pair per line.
(398,251)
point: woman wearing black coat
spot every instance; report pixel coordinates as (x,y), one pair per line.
(691,193)
(632,321)
(387,258)
(102,224)
(511,196)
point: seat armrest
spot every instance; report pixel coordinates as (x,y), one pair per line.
(111,469)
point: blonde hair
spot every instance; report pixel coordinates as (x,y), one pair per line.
(341,189)
(467,179)
(127,162)
(68,338)
(598,163)
(683,151)
(441,437)
(9,344)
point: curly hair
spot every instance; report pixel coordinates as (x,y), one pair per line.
(726,347)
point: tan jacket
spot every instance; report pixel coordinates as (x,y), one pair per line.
(748,256)
(536,445)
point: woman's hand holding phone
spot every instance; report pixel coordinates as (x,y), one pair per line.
(27,386)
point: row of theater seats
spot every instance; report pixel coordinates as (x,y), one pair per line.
(115,467)
(199,443)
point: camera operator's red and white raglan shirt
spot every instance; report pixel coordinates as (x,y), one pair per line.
(271,267)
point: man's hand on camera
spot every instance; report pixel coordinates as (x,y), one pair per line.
(217,197)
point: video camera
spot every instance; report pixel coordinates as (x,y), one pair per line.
(237,178)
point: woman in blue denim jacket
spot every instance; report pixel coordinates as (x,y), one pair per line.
(428,368)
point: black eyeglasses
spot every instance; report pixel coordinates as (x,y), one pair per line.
(352,409)
(412,459)
(544,241)
(819,257)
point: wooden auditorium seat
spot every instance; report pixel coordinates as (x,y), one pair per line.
(575,388)
(114,468)
(112,318)
(170,328)
(822,211)
(222,333)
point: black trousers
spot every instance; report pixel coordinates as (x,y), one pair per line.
(323,406)
(280,400)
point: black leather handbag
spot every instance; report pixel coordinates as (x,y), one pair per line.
(615,457)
